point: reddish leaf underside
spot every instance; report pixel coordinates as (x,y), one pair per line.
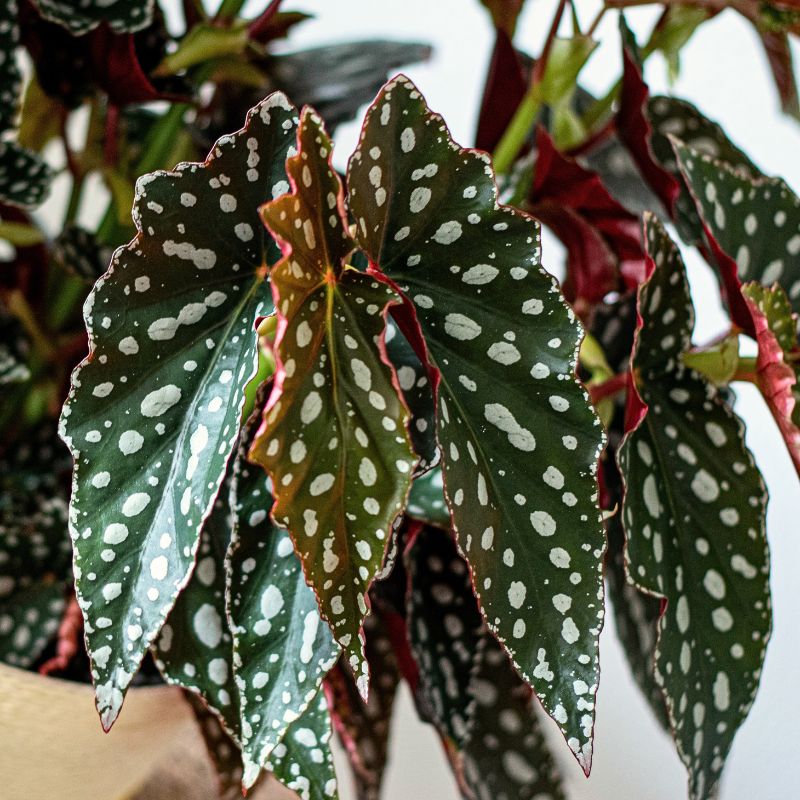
(602,238)
(635,130)
(776,334)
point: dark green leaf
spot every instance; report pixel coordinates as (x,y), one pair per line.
(154,411)
(261,684)
(337,80)
(282,649)
(363,728)
(523,503)
(417,392)
(467,686)
(426,501)
(754,221)
(694,519)
(334,434)
(303,761)
(34,543)
(24,177)
(195,645)
(671,116)
(77,251)
(14,348)
(120,15)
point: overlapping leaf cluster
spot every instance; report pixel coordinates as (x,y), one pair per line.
(335,432)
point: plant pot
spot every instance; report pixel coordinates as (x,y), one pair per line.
(53,745)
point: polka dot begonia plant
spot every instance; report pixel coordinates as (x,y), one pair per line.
(341,427)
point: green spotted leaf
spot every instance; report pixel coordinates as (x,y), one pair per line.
(519,439)
(777,363)
(672,116)
(282,649)
(194,648)
(334,435)
(24,177)
(753,220)
(34,543)
(303,760)
(246,636)
(467,686)
(153,413)
(693,513)
(78,18)
(14,349)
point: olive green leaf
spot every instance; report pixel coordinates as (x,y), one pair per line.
(334,435)
(467,686)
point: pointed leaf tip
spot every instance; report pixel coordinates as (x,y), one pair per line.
(519,438)
(694,514)
(153,412)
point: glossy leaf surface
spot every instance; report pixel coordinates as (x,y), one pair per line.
(282,649)
(670,116)
(334,433)
(363,727)
(519,440)
(693,513)
(754,221)
(467,686)
(153,414)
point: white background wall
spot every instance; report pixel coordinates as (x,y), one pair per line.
(725,74)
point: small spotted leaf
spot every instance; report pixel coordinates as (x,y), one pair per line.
(120,15)
(670,116)
(519,439)
(14,349)
(34,543)
(754,221)
(303,761)
(693,514)
(334,434)
(467,685)
(24,177)
(363,728)
(777,364)
(153,413)
(282,649)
